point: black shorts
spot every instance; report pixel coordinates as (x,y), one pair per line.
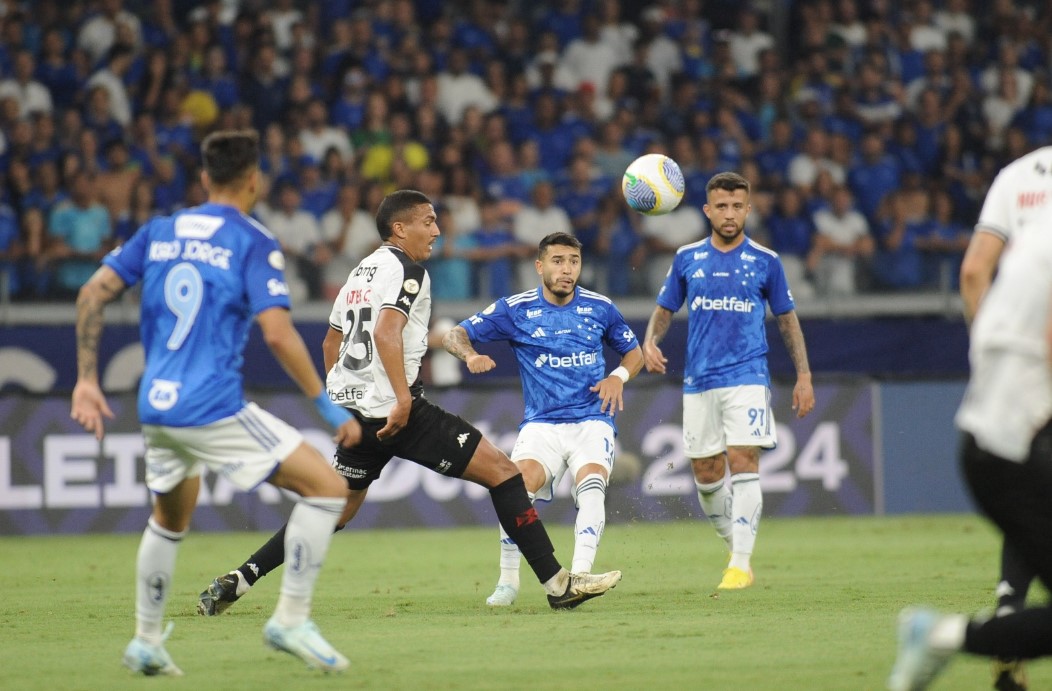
(433,438)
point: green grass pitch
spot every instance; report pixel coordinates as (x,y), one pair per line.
(407,607)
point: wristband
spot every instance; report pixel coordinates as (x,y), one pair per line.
(621,373)
(332,413)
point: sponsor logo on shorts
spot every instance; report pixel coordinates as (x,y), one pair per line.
(444,466)
(353,473)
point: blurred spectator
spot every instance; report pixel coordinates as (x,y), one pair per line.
(621,247)
(111,77)
(841,243)
(666,234)
(579,197)
(31,272)
(380,159)
(350,232)
(956,17)
(318,136)
(12,253)
(873,177)
(805,166)
(98,34)
(588,58)
(458,88)
(943,244)
(79,235)
(115,182)
(32,95)
(318,193)
(790,231)
(450,264)
(300,236)
(264,87)
(46,192)
(533,222)
(140,210)
(898,263)
(498,250)
(747,41)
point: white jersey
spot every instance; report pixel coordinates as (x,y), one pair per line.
(1019,196)
(1009,396)
(386,279)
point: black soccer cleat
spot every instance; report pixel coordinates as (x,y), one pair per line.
(582,587)
(220,594)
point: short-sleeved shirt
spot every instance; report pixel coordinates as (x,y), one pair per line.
(727,294)
(1009,395)
(386,279)
(559,349)
(205,272)
(1018,196)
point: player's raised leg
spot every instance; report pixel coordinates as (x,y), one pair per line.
(507,589)
(490,468)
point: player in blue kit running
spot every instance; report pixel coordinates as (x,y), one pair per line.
(557,332)
(727,281)
(206,273)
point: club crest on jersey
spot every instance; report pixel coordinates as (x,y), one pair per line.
(411,286)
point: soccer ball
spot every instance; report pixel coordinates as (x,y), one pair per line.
(653,184)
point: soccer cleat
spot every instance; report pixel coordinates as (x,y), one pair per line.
(735,579)
(221,593)
(584,586)
(149,659)
(306,643)
(918,661)
(503,596)
(1009,675)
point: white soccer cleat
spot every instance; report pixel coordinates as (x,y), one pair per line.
(918,661)
(582,587)
(503,596)
(149,659)
(306,643)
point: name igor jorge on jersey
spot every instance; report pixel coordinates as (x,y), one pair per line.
(559,349)
(726,294)
(386,279)
(205,272)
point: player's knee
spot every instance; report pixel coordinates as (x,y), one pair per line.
(592,487)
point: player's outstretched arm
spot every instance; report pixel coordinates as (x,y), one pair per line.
(793,336)
(611,388)
(657,327)
(287,345)
(89,405)
(457,344)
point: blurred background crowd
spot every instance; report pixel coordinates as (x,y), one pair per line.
(870,129)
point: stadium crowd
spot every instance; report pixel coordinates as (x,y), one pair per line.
(870,129)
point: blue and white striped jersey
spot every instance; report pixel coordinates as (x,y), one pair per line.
(727,294)
(559,349)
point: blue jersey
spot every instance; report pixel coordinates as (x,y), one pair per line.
(727,294)
(205,272)
(559,349)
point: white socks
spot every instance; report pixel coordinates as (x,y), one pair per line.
(716,500)
(591,519)
(745,512)
(510,557)
(307,537)
(155,565)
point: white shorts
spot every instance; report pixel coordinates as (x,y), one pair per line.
(567,446)
(245,448)
(732,416)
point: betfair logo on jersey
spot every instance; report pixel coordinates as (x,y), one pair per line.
(724,304)
(581,359)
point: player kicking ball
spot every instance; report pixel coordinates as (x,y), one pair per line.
(373,350)
(557,332)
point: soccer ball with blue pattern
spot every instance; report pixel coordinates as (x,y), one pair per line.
(653,184)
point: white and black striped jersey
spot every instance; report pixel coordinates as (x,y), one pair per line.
(386,279)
